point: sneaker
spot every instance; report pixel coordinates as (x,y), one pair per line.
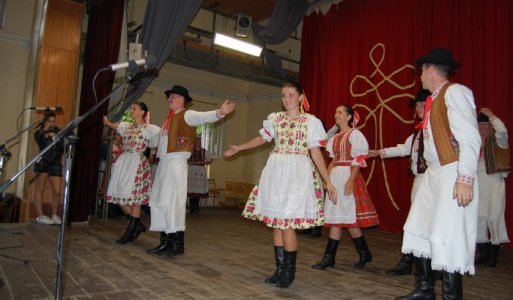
(56,219)
(44,220)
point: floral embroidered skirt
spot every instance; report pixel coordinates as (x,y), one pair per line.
(124,187)
(290,222)
(366,215)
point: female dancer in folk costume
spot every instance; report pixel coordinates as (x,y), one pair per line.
(354,208)
(289,194)
(130,183)
(197,178)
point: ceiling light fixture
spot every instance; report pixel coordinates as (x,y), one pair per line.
(237,45)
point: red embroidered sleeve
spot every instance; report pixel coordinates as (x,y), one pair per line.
(360,161)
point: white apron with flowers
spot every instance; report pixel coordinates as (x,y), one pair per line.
(289,193)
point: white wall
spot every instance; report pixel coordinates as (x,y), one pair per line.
(15,38)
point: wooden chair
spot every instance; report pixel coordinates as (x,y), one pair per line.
(237,193)
(232,193)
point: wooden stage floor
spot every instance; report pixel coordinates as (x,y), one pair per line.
(226,257)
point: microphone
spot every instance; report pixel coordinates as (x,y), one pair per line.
(149,62)
(47,108)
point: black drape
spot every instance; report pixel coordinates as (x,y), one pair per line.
(287,14)
(164,24)
(102,48)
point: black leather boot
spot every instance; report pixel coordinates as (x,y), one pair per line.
(280,265)
(129,235)
(139,227)
(453,286)
(328,259)
(424,281)
(363,251)
(289,273)
(483,250)
(316,232)
(163,238)
(492,259)
(167,241)
(178,245)
(404,267)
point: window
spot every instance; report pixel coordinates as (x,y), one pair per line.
(212,137)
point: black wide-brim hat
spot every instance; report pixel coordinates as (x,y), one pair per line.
(439,56)
(179,90)
(420,97)
(482,118)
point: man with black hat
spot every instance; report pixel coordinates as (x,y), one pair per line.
(169,193)
(493,168)
(413,146)
(440,230)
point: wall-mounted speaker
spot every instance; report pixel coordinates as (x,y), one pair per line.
(243,25)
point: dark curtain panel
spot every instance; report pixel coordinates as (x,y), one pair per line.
(362,53)
(272,63)
(164,24)
(287,14)
(102,48)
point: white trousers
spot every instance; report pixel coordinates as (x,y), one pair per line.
(437,227)
(169,193)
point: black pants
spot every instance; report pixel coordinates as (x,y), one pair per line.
(194,204)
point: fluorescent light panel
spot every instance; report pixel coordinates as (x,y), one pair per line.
(237,45)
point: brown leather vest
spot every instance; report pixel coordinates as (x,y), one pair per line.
(447,146)
(181,136)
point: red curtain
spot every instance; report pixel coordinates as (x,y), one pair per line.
(102,48)
(363,52)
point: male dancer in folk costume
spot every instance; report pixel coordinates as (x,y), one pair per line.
(414,147)
(440,230)
(493,168)
(169,194)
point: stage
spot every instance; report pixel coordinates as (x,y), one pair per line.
(226,257)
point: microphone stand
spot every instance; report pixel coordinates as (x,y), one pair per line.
(65,132)
(5,154)
(60,243)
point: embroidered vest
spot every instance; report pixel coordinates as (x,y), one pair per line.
(181,136)
(342,149)
(496,158)
(421,162)
(447,146)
